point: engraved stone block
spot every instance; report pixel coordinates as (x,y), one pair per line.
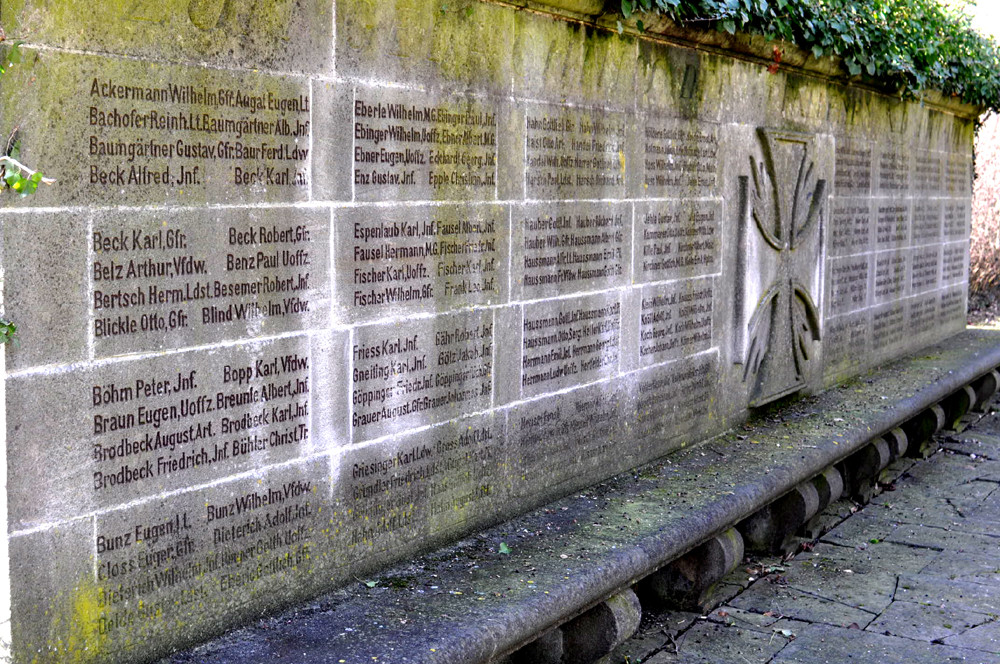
(675,403)
(146,133)
(575,153)
(922,313)
(955,263)
(677,239)
(846,346)
(171,280)
(889,333)
(675,320)
(222,554)
(560,249)
(927,220)
(847,288)
(566,441)
(927,170)
(679,159)
(850,227)
(953,306)
(119,431)
(425,371)
(926,269)
(394,494)
(570,342)
(891,275)
(957,219)
(892,223)
(893,167)
(411,145)
(405,260)
(958,175)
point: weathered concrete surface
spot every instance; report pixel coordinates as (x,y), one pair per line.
(912,577)
(473,603)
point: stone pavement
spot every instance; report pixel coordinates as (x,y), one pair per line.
(912,577)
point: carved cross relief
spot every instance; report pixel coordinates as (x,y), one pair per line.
(778,271)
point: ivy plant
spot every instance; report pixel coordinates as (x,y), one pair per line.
(13,174)
(907,45)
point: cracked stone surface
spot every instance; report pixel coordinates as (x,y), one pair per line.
(914,576)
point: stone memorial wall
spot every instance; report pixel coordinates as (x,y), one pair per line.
(322,284)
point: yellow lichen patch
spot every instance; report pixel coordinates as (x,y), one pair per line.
(74,628)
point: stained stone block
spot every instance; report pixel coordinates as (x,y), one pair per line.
(147,133)
(847,344)
(566,441)
(173,280)
(42,290)
(951,312)
(562,60)
(447,43)
(677,239)
(958,175)
(121,431)
(575,153)
(682,83)
(927,171)
(801,103)
(430,370)
(425,259)
(565,248)
(394,495)
(283,35)
(672,401)
(570,342)
(853,165)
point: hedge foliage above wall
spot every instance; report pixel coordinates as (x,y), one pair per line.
(908,45)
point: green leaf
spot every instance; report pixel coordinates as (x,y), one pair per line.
(853,67)
(817,51)
(621,28)
(729,25)
(371,584)
(504,549)
(639,24)
(627,8)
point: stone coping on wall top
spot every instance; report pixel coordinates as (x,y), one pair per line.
(471,602)
(752,47)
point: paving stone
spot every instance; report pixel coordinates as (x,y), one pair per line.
(924,623)
(944,592)
(726,644)
(794,603)
(984,637)
(822,644)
